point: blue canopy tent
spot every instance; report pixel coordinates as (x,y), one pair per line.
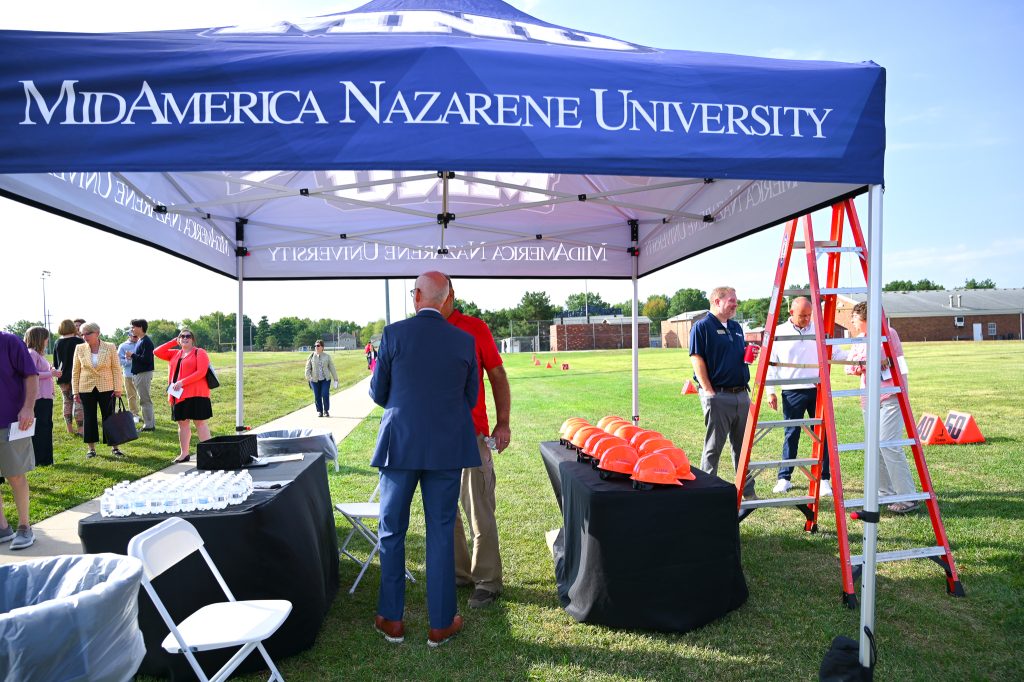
(462,135)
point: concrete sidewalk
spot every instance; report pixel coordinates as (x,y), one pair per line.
(59,533)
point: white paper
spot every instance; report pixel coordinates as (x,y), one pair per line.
(901,362)
(175,393)
(15,432)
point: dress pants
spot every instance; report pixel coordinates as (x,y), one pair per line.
(796,404)
(483,567)
(725,418)
(142,382)
(440,491)
(42,439)
(105,401)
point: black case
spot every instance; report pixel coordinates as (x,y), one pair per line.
(226,452)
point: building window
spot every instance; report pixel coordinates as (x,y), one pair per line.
(991,328)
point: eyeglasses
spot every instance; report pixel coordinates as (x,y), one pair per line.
(412,292)
(84,334)
(185,336)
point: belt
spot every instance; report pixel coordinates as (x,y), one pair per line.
(730,389)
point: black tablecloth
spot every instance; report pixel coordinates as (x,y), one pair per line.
(278,544)
(666,559)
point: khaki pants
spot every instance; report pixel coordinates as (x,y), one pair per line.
(142,381)
(132,395)
(483,568)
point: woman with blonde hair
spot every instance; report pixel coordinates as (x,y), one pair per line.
(187,389)
(96,381)
(63,359)
(42,439)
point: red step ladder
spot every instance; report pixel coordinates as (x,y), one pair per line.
(822,428)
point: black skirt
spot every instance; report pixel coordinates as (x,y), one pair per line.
(192,408)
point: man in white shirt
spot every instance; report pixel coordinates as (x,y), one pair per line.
(797,399)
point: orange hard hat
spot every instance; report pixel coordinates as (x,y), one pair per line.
(614,424)
(618,459)
(652,444)
(639,438)
(603,421)
(654,469)
(573,428)
(678,457)
(605,443)
(580,435)
(568,423)
(627,431)
(590,445)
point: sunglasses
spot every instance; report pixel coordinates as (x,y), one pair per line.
(185,336)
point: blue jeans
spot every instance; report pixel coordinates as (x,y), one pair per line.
(321,394)
(795,404)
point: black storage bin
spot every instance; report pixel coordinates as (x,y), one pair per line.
(226,452)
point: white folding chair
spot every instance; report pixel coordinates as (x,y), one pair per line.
(216,626)
(357,513)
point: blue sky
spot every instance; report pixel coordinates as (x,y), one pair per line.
(954,104)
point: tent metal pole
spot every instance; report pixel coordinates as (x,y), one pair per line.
(634,227)
(871,455)
(240,341)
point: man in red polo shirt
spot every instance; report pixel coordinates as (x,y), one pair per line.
(483,569)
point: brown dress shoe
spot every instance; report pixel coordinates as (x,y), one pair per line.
(393,630)
(436,637)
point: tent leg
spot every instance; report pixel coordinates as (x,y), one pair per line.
(874,370)
(239,342)
(634,227)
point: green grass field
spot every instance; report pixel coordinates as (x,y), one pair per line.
(793,611)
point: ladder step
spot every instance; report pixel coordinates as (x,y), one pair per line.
(851,340)
(899,555)
(776,502)
(783,423)
(854,392)
(779,463)
(851,447)
(817,245)
(795,337)
(841,249)
(790,382)
(826,291)
(858,502)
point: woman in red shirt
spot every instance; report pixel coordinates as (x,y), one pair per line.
(186,372)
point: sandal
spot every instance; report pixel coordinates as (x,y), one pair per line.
(181,459)
(116,452)
(903,507)
(89,454)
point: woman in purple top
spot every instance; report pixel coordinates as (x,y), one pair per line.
(42,441)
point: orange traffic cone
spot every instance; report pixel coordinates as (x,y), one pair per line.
(536,362)
(549,366)
(688,388)
(963,429)
(932,431)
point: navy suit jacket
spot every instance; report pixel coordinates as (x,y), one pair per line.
(426,381)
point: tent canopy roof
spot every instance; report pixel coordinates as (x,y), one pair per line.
(361,144)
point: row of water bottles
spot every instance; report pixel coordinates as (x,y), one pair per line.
(187,492)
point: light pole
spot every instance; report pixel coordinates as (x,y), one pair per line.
(46,321)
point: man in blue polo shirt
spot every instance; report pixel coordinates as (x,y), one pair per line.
(716,353)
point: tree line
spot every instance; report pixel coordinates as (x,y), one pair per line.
(216,331)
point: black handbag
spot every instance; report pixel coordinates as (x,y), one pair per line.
(211,377)
(119,427)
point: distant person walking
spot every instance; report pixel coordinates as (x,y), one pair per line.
(125,361)
(186,377)
(18,387)
(370,353)
(96,381)
(319,374)
(142,372)
(42,439)
(64,360)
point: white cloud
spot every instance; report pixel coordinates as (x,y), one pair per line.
(953,254)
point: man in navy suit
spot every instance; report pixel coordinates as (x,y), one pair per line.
(426,381)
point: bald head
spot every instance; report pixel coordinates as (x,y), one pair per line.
(800,312)
(431,290)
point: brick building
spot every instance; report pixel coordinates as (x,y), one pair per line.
(951,315)
(601,333)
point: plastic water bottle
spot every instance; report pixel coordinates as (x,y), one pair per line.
(490,442)
(107,503)
(121,505)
